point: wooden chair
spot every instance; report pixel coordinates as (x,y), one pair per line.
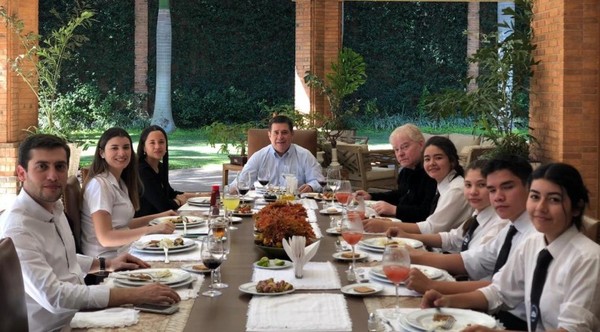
(591,228)
(13,316)
(368,169)
(72,202)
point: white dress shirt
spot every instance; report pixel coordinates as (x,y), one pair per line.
(52,271)
(296,160)
(104,192)
(452,207)
(490,224)
(571,295)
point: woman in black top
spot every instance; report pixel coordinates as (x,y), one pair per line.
(412,201)
(153,162)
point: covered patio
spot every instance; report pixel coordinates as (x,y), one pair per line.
(564,109)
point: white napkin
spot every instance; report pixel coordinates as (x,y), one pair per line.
(317,275)
(112,317)
(299,253)
(299,312)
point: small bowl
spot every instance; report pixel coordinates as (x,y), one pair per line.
(274,252)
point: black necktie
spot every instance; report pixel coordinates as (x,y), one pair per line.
(434,202)
(468,235)
(503,255)
(537,286)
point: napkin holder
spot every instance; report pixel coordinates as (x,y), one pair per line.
(299,253)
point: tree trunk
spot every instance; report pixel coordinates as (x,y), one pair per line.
(162,105)
(472,43)
(140,85)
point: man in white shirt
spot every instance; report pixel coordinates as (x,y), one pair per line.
(282,157)
(52,271)
(506,179)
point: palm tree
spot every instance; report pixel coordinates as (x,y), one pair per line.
(141,50)
(472,42)
(162,104)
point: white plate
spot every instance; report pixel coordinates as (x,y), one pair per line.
(378,243)
(310,195)
(330,211)
(236,220)
(190,268)
(199,201)
(142,245)
(338,255)
(177,276)
(192,221)
(171,250)
(423,319)
(431,272)
(375,277)
(250,288)
(182,283)
(349,289)
(246,199)
(272,265)
(334,231)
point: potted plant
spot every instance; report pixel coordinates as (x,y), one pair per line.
(40,67)
(499,104)
(230,136)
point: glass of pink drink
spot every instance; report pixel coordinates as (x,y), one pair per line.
(396,266)
(344,193)
(352,232)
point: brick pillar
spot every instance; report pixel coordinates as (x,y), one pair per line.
(140,84)
(318,42)
(18,104)
(565,103)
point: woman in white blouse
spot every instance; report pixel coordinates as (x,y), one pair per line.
(110,198)
(569,288)
(440,161)
(488,222)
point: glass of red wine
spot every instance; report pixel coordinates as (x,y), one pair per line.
(264,176)
(352,232)
(396,266)
(212,253)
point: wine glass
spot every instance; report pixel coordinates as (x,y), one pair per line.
(396,266)
(264,176)
(356,206)
(344,193)
(231,200)
(244,182)
(352,232)
(334,176)
(212,253)
(218,229)
(322,180)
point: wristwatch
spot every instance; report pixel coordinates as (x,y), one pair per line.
(102,261)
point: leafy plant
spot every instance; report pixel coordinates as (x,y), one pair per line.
(229,136)
(498,105)
(346,76)
(40,66)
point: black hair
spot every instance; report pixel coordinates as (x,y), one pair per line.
(570,180)
(40,141)
(517,165)
(141,155)
(446,145)
(282,119)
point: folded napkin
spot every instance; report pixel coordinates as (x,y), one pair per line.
(299,312)
(113,317)
(317,275)
(184,293)
(299,253)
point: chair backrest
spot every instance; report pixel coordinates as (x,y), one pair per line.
(591,226)
(13,316)
(72,200)
(258,139)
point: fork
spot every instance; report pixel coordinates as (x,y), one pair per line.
(166,250)
(447,323)
(184,220)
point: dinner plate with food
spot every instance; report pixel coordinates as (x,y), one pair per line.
(334,231)
(431,272)
(191,221)
(156,246)
(362,289)
(331,210)
(195,268)
(243,210)
(379,243)
(272,264)
(347,255)
(199,201)
(433,319)
(267,287)
(143,277)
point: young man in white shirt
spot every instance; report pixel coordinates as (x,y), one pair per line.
(52,271)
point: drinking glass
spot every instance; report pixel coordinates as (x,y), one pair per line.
(352,232)
(333,179)
(322,180)
(244,182)
(212,253)
(264,176)
(356,206)
(396,266)
(231,200)
(344,193)
(218,229)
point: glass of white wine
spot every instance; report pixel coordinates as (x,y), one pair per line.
(231,200)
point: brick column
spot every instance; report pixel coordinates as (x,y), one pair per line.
(565,103)
(18,104)
(318,42)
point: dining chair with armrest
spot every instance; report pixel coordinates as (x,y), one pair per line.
(258,139)
(591,228)
(368,169)
(13,316)
(72,202)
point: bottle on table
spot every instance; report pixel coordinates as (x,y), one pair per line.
(215,200)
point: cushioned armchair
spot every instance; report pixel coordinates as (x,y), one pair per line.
(368,169)
(13,316)
(258,139)
(72,202)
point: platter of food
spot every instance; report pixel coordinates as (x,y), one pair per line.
(143,277)
(363,289)
(272,264)
(199,201)
(191,221)
(267,287)
(195,268)
(331,210)
(243,210)
(347,255)
(175,245)
(379,243)
(431,272)
(432,319)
